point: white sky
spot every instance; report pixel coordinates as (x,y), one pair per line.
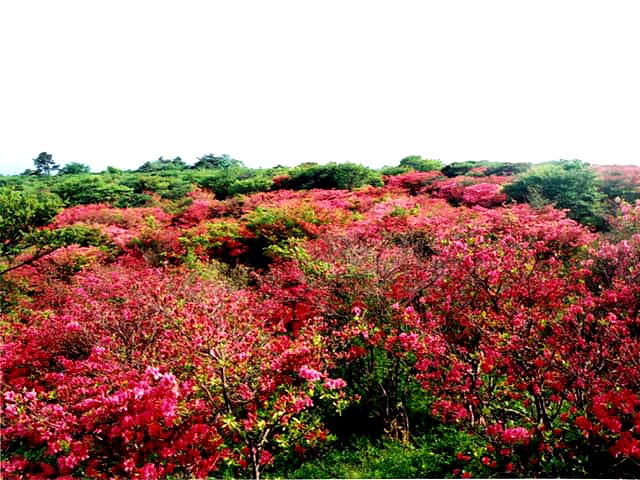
(120,82)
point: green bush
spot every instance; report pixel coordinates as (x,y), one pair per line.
(87,189)
(571,185)
(349,176)
(390,171)
(167,185)
(507,168)
(163,164)
(74,168)
(70,235)
(274,224)
(221,182)
(258,183)
(343,176)
(420,164)
(21,213)
(215,162)
(457,169)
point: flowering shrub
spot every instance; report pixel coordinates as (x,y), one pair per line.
(202,207)
(470,190)
(483,194)
(413,182)
(128,218)
(234,382)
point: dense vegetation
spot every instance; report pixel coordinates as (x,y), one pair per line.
(474,319)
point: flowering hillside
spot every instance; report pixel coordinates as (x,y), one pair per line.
(255,335)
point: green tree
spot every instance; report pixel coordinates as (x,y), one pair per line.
(421,164)
(113,170)
(351,175)
(74,168)
(222,181)
(212,161)
(567,184)
(163,164)
(21,213)
(345,176)
(486,168)
(44,164)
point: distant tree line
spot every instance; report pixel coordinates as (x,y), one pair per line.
(587,193)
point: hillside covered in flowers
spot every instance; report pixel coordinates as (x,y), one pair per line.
(434,323)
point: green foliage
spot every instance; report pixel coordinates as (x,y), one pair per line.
(431,456)
(163,164)
(80,235)
(258,183)
(387,170)
(343,176)
(211,161)
(507,168)
(14,181)
(617,187)
(227,182)
(456,169)
(420,164)
(74,168)
(293,249)
(220,182)
(275,224)
(349,176)
(132,200)
(88,189)
(214,244)
(215,234)
(170,186)
(44,164)
(21,213)
(568,184)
